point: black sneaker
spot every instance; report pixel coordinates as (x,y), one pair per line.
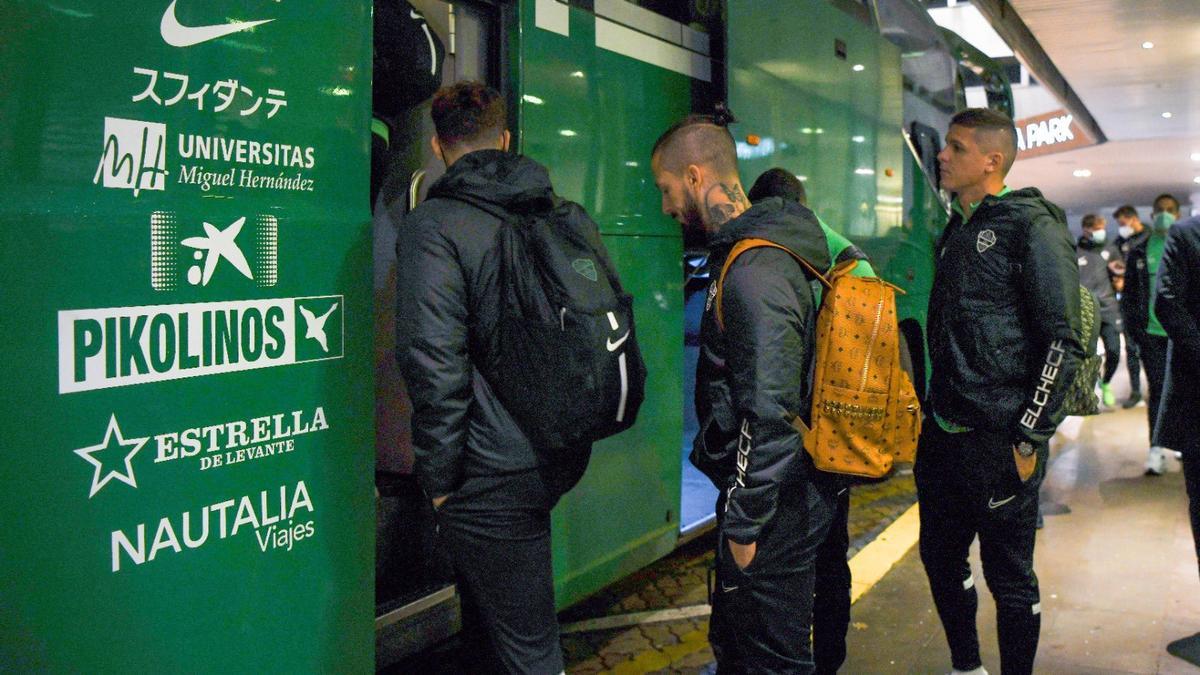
(1134,399)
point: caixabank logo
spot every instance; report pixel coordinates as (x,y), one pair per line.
(194,254)
(125,346)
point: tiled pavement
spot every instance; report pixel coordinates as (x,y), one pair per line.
(680,581)
(677,582)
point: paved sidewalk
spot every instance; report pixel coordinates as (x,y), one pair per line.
(647,645)
(1117,571)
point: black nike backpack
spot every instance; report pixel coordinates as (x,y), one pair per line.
(564,360)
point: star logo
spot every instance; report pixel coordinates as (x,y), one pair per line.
(112,451)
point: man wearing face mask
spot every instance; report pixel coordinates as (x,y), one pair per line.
(1141,269)
(1093,258)
(1130,233)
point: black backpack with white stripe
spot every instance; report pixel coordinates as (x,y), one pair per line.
(564,360)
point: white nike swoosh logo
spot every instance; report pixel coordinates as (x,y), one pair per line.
(612,346)
(728,588)
(993,504)
(179,35)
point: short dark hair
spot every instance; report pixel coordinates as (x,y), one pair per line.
(467,112)
(699,139)
(1089,220)
(778,182)
(1126,211)
(1165,196)
(994,123)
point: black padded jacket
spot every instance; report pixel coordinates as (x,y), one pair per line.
(1178,309)
(1004,318)
(1135,295)
(1093,274)
(447,304)
(754,376)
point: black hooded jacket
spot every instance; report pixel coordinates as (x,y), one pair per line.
(1093,274)
(1135,295)
(754,376)
(1178,308)
(1004,318)
(447,304)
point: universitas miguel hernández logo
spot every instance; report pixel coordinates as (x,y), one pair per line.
(134,156)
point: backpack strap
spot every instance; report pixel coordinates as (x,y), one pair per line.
(745,245)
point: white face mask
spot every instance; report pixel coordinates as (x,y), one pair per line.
(1099,236)
(1125,231)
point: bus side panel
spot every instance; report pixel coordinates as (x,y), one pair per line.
(592,115)
(186,255)
(835,121)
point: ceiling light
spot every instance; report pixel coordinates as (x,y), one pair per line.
(578,73)
(631,163)
(801,178)
(1166,116)
(1196,156)
(1147,45)
(806,130)
(1196,179)
(533,99)
(566,132)
(1081,173)
(858,67)
(820,130)
(858,139)
(863,171)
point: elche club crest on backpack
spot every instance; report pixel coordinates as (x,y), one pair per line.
(564,361)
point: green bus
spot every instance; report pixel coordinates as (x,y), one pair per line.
(199,213)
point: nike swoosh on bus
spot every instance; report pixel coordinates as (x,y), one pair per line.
(179,35)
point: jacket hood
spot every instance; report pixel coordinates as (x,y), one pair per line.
(1031,200)
(781,222)
(512,182)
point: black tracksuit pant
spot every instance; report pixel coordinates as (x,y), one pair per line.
(831,596)
(496,531)
(1191,479)
(1111,337)
(967,486)
(1153,349)
(761,614)
(1133,363)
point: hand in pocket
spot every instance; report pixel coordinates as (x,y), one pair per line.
(1025,465)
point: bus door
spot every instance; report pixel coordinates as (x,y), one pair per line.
(415,604)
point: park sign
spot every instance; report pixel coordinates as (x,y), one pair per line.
(188,362)
(1049,133)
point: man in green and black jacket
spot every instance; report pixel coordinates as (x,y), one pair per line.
(1141,269)
(1004,319)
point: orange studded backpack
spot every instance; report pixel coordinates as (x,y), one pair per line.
(865,415)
